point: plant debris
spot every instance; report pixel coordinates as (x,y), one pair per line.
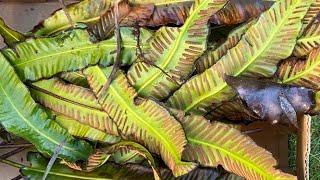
(271,101)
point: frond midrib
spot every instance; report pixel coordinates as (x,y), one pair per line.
(58,97)
(59,53)
(265,45)
(30,125)
(228,153)
(173,50)
(154,131)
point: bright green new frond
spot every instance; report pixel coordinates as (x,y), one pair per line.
(20,115)
(69,51)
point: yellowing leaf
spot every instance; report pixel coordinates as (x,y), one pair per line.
(173,52)
(213,144)
(300,72)
(269,40)
(75,128)
(311,14)
(9,35)
(73,101)
(316,109)
(89,12)
(126,156)
(140,120)
(308,41)
(142,151)
(96,160)
(210,57)
(309,38)
(20,115)
(86,11)
(76,78)
(69,51)
(232,110)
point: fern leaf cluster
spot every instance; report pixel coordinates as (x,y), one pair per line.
(163,114)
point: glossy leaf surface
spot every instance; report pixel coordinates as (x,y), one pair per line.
(69,51)
(9,35)
(215,143)
(173,52)
(86,11)
(260,49)
(73,101)
(210,57)
(140,120)
(80,130)
(20,115)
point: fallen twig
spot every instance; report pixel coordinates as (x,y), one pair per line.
(17,177)
(252,131)
(6,146)
(11,153)
(117,60)
(53,159)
